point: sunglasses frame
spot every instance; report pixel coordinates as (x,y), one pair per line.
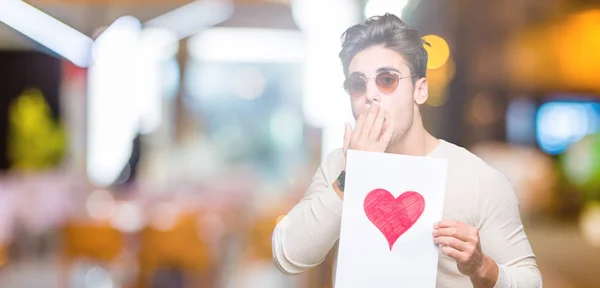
(366,79)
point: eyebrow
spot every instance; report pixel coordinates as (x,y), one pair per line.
(382,69)
(388,69)
(356,73)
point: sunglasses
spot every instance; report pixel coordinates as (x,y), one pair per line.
(386,82)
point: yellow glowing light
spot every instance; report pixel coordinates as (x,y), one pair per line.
(577,43)
(438,53)
(438,80)
(558,56)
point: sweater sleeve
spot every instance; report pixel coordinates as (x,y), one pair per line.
(304,237)
(502,235)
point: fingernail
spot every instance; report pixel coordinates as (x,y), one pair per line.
(435,232)
(436,225)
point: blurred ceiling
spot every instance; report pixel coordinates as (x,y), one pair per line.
(87,16)
(503,43)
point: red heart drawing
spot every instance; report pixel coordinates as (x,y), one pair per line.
(393,216)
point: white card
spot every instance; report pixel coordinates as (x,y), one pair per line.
(391,202)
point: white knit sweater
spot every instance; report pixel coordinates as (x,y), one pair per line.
(476,194)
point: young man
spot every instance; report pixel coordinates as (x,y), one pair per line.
(481,237)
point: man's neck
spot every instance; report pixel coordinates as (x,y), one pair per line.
(416,141)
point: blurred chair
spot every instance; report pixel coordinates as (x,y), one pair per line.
(89,240)
(176,256)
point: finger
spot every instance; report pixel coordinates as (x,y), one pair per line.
(369,120)
(358,127)
(386,138)
(457,255)
(452,232)
(347,136)
(377,125)
(446,224)
(452,242)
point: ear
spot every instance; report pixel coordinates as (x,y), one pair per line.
(421,92)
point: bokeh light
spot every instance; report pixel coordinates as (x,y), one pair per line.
(531,172)
(561,56)
(250,83)
(483,110)
(438,81)
(438,51)
(562,123)
(581,163)
(590,223)
(100,205)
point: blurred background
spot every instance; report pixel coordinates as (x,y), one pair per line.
(156,143)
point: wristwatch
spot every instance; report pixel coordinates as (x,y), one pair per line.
(341,180)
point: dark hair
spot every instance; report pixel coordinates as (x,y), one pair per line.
(391,32)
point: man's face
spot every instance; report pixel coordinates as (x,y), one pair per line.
(399,103)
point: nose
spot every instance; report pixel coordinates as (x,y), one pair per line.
(372,92)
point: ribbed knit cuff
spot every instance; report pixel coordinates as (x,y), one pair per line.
(503,281)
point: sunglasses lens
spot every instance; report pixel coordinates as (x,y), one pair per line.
(387,82)
(355,86)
